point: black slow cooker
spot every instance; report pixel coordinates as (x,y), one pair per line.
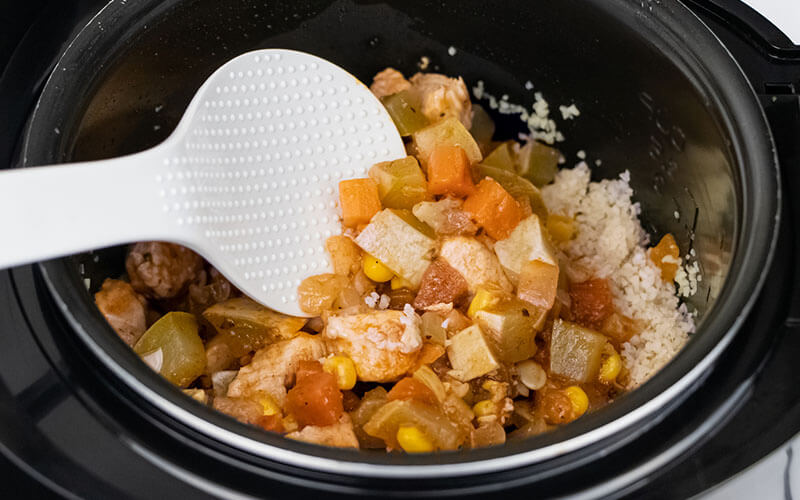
(659,95)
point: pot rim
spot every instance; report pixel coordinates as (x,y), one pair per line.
(716,74)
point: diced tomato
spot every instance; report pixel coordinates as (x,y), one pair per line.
(591,302)
(411,388)
(494,209)
(315,399)
(272,423)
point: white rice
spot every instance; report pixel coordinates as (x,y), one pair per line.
(610,243)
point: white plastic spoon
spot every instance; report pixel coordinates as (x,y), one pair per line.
(248,179)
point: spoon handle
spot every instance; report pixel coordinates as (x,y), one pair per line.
(48,212)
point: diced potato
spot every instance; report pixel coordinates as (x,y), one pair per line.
(510,328)
(400,246)
(502,156)
(405,109)
(519,188)
(575,352)
(470,355)
(182,352)
(441,284)
(538,163)
(449,132)
(249,325)
(431,421)
(476,263)
(527,242)
(384,345)
(401,183)
(538,284)
(482,128)
(445,216)
(198,395)
(345,255)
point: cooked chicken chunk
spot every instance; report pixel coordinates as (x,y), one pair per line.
(273,367)
(124,309)
(442,96)
(242,409)
(476,263)
(161,270)
(384,345)
(388,82)
(340,435)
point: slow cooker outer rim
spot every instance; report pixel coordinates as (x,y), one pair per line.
(61,285)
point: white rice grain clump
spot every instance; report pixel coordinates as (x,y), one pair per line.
(610,243)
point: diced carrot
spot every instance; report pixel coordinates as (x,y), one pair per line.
(591,302)
(538,283)
(449,172)
(493,208)
(359,201)
(666,255)
(411,388)
(315,399)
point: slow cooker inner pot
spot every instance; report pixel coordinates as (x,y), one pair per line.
(640,111)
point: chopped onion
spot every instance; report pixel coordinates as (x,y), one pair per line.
(221,380)
(154,359)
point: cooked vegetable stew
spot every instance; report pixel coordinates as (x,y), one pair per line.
(449,320)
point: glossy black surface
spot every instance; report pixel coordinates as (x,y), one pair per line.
(53,416)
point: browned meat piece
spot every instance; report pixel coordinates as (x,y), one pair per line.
(242,409)
(209,288)
(592,302)
(161,270)
(124,309)
(388,82)
(441,284)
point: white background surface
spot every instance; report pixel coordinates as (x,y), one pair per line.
(785,14)
(777,476)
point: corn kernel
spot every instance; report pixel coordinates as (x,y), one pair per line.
(579,400)
(343,369)
(483,298)
(398,283)
(609,370)
(484,408)
(268,405)
(413,440)
(561,228)
(376,270)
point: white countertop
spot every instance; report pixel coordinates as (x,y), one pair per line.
(785,14)
(777,475)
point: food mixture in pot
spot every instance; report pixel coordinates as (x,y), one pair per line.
(479,294)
